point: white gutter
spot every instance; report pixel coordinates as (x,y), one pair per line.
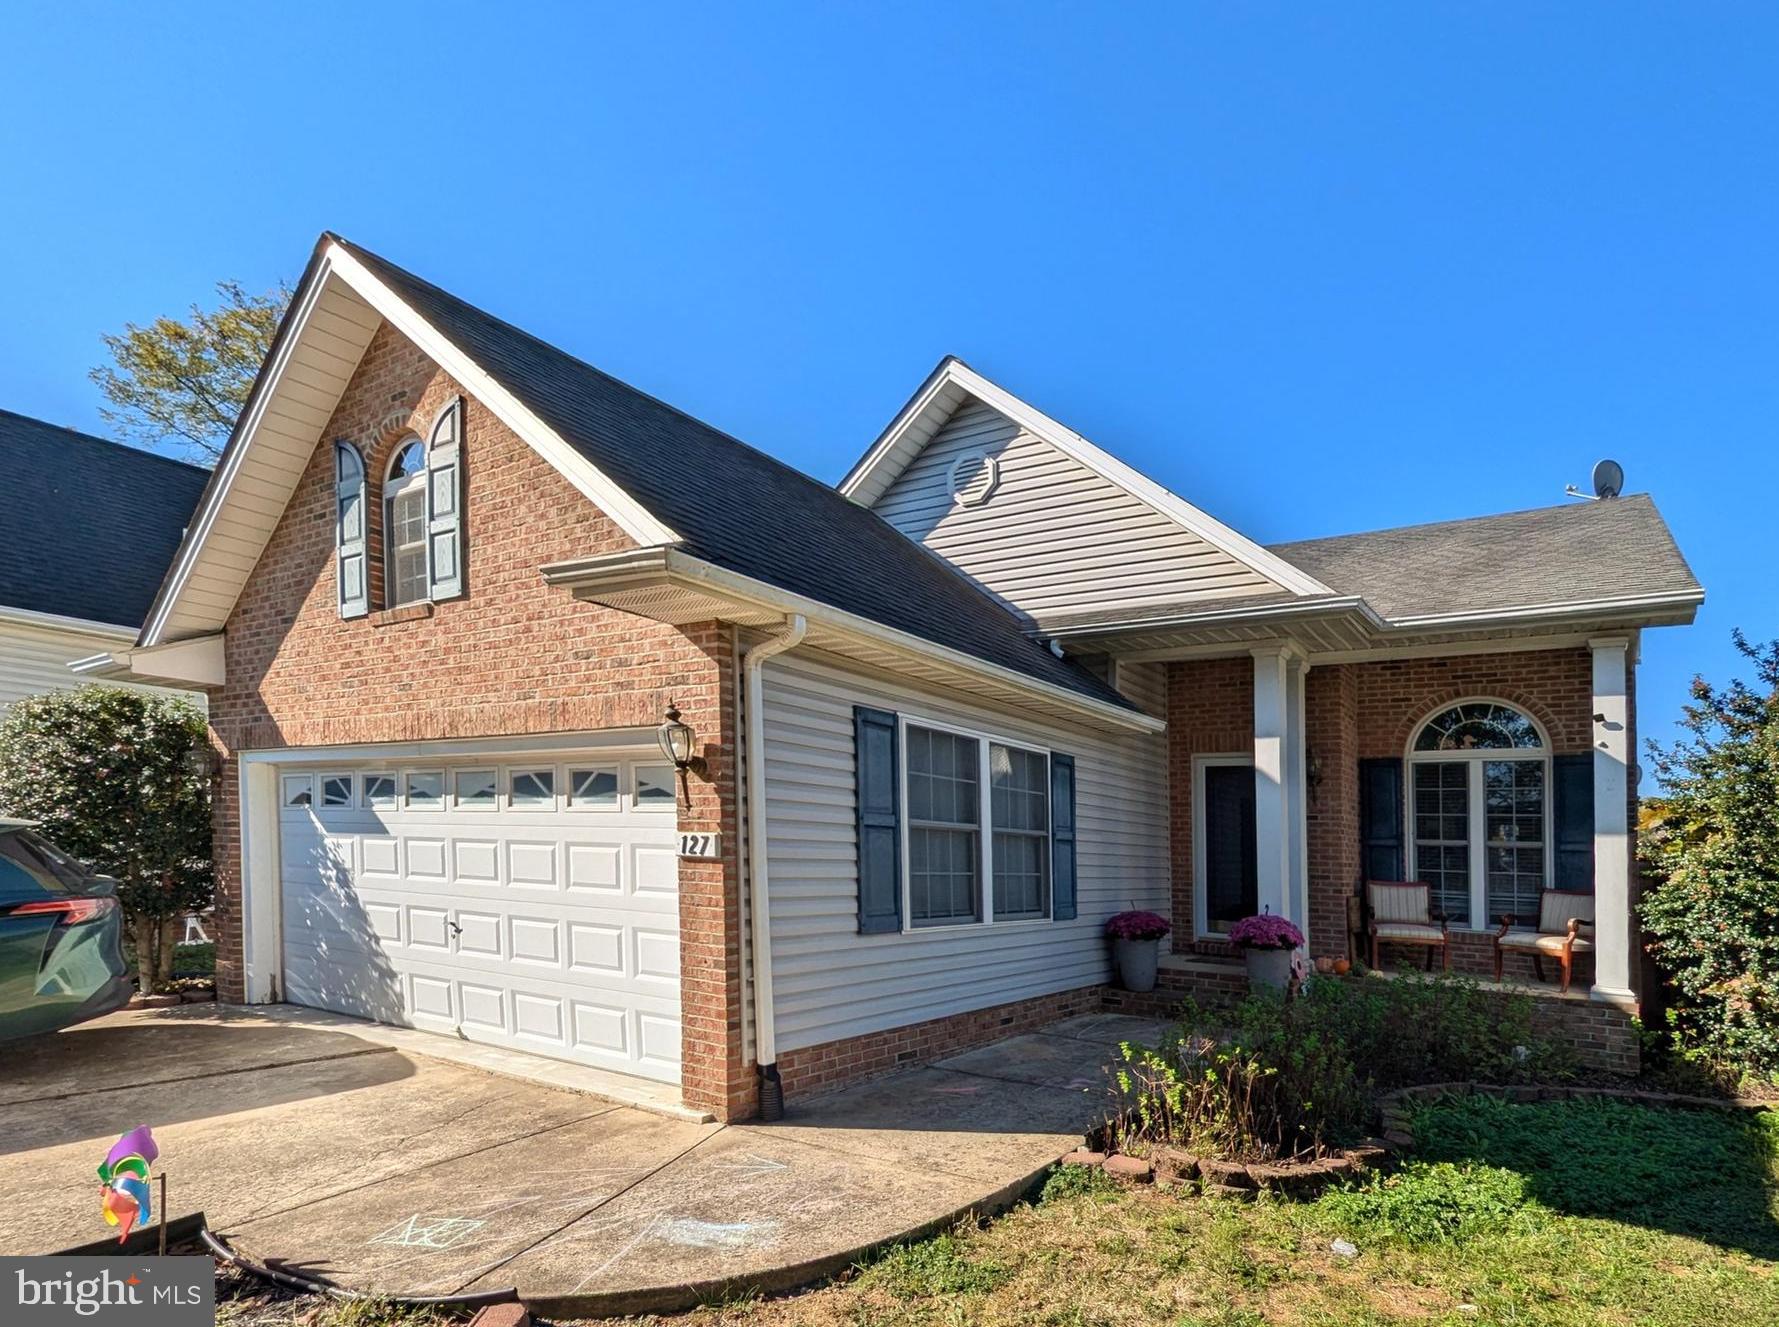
(754,702)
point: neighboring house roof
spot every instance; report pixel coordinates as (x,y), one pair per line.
(1609,551)
(675,479)
(91,525)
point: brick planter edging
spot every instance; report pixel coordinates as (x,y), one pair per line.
(1172,1168)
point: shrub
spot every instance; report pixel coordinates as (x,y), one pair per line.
(1712,840)
(1280,1077)
(103,770)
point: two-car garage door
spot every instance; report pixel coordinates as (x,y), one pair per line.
(532,904)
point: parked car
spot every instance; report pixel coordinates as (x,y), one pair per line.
(61,937)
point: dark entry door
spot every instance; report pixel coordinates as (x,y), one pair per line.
(1231,868)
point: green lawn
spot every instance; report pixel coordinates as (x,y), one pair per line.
(1575,1213)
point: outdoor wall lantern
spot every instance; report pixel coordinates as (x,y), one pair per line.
(678,742)
(200,761)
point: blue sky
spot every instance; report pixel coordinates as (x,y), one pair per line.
(1315,270)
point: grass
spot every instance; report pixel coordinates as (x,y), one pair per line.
(1570,1214)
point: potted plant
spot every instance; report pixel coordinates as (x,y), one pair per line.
(1269,944)
(1136,947)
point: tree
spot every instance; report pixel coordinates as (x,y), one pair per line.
(189,380)
(105,772)
(1712,842)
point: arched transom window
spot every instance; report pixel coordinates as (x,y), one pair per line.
(1479,780)
(404,525)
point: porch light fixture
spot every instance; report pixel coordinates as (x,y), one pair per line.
(200,761)
(678,742)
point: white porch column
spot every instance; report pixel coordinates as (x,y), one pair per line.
(1612,842)
(1280,805)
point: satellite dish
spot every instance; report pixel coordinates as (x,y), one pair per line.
(1609,479)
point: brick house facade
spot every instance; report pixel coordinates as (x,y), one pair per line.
(985,585)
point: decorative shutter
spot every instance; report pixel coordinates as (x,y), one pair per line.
(1572,819)
(879,820)
(349,531)
(1062,837)
(1381,852)
(444,503)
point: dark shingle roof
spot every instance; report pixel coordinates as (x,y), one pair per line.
(1576,553)
(735,506)
(89,526)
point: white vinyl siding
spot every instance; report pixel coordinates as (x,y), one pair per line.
(35,659)
(832,982)
(1054,536)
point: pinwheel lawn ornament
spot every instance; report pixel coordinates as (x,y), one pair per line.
(124,1192)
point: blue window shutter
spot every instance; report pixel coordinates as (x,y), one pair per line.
(878,769)
(349,531)
(1062,837)
(1572,818)
(1381,851)
(444,503)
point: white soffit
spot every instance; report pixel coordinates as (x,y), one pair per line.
(331,322)
(949,385)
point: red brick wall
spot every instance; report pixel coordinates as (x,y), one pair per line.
(1210,711)
(1353,712)
(512,657)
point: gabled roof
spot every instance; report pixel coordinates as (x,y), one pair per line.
(668,478)
(954,382)
(90,524)
(1613,551)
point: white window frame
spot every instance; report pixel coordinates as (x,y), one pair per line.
(573,803)
(407,791)
(634,783)
(295,785)
(458,804)
(1477,808)
(321,782)
(1201,896)
(985,827)
(394,488)
(364,785)
(510,802)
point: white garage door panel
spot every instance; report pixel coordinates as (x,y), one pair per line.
(549,929)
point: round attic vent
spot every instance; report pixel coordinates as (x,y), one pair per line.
(973,478)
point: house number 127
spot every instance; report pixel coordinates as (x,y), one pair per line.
(700,845)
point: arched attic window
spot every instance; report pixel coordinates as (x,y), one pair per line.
(1479,781)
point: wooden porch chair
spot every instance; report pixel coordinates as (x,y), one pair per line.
(1565,929)
(1401,913)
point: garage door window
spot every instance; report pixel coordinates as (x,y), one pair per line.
(534,788)
(299,790)
(379,792)
(336,790)
(654,787)
(593,788)
(426,790)
(476,788)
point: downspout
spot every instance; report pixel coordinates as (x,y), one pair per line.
(753,691)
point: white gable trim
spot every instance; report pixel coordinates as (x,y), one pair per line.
(635,519)
(872,477)
(335,263)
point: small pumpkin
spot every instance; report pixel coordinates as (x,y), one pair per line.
(1325,964)
(1342,967)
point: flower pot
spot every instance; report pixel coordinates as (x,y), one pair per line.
(1137,961)
(1268,967)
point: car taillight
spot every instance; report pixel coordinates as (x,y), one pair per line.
(67,911)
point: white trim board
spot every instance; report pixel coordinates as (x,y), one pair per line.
(876,471)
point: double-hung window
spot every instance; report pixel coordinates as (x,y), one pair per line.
(956,784)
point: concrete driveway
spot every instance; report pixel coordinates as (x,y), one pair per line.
(320,1151)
